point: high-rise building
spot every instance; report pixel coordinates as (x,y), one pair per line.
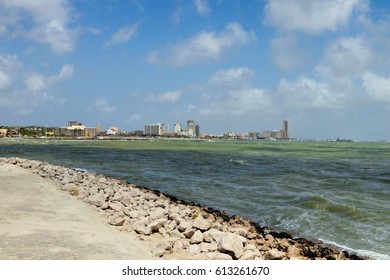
(177,128)
(192,129)
(156,129)
(285,129)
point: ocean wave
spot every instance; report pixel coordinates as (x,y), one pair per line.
(324,204)
(361,253)
(237,161)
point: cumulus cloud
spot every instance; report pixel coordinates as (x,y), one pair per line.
(336,81)
(9,66)
(47,21)
(285,53)
(39,82)
(169,96)
(25,91)
(103,106)
(308,93)
(202,7)
(230,92)
(231,77)
(208,45)
(348,55)
(123,35)
(311,16)
(376,86)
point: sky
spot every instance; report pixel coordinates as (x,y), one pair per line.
(229,65)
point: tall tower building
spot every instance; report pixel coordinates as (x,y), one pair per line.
(192,129)
(285,129)
(177,128)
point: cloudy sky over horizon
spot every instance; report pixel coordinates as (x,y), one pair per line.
(229,65)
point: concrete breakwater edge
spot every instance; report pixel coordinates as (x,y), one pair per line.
(175,229)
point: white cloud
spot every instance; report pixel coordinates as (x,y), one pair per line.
(38,82)
(169,96)
(123,35)
(133,118)
(202,7)
(285,54)
(348,55)
(55,34)
(308,93)
(4,80)
(208,45)
(311,16)
(230,93)
(25,92)
(231,77)
(103,106)
(376,86)
(46,21)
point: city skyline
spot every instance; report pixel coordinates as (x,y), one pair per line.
(229,65)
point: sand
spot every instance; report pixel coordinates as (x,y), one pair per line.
(39,221)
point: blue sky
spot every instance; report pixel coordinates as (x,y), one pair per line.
(229,65)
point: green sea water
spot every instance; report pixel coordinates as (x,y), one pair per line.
(332,191)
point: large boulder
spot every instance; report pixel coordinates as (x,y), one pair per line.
(116,220)
(140,228)
(197,237)
(97,199)
(157,224)
(213,235)
(201,223)
(231,244)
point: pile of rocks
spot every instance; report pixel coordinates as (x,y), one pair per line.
(179,229)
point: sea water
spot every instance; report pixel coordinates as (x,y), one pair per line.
(335,192)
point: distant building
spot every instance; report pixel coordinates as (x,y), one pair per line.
(285,129)
(276,134)
(113,131)
(156,129)
(177,128)
(76,129)
(192,129)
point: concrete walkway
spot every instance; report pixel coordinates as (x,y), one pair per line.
(39,221)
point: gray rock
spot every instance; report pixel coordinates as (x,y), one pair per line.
(158,252)
(127,200)
(116,220)
(213,235)
(218,256)
(116,206)
(184,226)
(193,249)
(189,232)
(158,213)
(93,190)
(155,225)
(150,196)
(197,237)
(249,255)
(140,228)
(231,244)
(275,254)
(118,196)
(97,199)
(201,223)
(67,187)
(109,192)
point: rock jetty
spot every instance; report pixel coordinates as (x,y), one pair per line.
(178,229)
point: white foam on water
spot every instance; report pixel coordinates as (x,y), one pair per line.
(361,253)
